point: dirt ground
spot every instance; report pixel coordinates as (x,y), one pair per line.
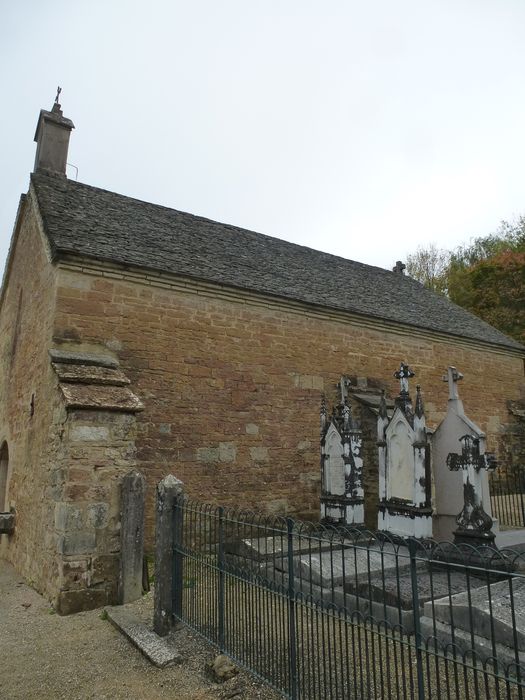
(83,657)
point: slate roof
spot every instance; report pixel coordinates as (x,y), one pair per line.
(88,221)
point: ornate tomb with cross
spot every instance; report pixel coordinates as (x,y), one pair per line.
(342,500)
(474,524)
(448,485)
(404,464)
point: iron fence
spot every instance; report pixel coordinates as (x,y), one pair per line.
(507,497)
(319,613)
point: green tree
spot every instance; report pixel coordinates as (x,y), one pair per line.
(430,267)
(486,276)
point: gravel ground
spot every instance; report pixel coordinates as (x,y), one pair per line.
(83,657)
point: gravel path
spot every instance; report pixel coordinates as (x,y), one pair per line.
(83,657)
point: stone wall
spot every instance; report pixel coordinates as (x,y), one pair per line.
(232,383)
(98,449)
(29,421)
(70,432)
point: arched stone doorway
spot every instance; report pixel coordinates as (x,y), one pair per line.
(4,465)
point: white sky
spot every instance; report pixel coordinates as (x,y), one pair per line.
(363,128)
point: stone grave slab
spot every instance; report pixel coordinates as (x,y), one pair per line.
(395,587)
(332,568)
(477,615)
(266,548)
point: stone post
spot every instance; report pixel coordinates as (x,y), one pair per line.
(132,494)
(168,490)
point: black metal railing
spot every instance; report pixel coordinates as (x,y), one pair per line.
(507,497)
(319,613)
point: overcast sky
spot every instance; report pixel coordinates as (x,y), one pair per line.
(362,128)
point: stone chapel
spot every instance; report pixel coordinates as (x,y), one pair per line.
(137,336)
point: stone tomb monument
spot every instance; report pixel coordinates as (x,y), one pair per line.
(448,485)
(342,498)
(404,465)
(474,525)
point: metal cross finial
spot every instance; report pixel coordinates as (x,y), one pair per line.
(59,90)
(404,373)
(452,377)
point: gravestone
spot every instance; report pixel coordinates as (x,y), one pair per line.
(474,524)
(448,485)
(404,464)
(489,620)
(342,498)
(132,496)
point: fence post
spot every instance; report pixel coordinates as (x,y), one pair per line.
(412,549)
(168,490)
(292,641)
(132,493)
(221,579)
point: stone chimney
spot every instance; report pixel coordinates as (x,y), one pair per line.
(52,138)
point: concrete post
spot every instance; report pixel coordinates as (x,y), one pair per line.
(132,494)
(167,492)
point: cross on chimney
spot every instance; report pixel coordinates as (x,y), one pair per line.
(52,137)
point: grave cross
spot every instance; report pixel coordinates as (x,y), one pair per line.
(452,377)
(404,373)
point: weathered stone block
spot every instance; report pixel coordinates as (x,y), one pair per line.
(104,568)
(74,573)
(208,454)
(68,517)
(97,515)
(227,452)
(76,543)
(68,602)
(259,454)
(89,433)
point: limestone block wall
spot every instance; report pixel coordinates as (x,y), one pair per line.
(29,412)
(69,442)
(232,382)
(98,449)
